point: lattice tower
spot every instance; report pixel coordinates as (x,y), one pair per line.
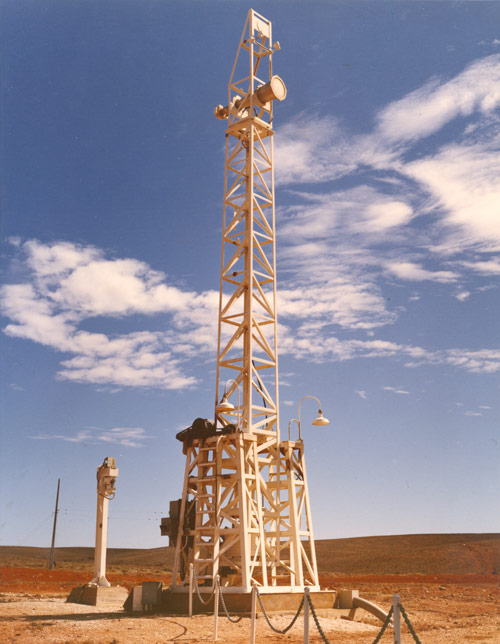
(245,511)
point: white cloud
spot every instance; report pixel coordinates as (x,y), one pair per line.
(335,301)
(320,299)
(303,150)
(361,393)
(476,361)
(315,149)
(82,280)
(462,296)
(82,436)
(456,183)
(488,267)
(429,108)
(396,390)
(414,272)
(464,179)
(383,216)
(127,436)
(319,346)
(362,212)
(473,413)
(69,283)
(493,43)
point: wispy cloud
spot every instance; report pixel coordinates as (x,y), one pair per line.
(492,43)
(361,393)
(415,272)
(319,346)
(304,152)
(457,182)
(464,180)
(396,390)
(489,267)
(126,436)
(436,103)
(408,210)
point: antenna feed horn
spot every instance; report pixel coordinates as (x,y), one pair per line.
(275,89)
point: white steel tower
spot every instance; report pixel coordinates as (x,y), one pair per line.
(244,512)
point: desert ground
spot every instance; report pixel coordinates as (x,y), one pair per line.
(448,584)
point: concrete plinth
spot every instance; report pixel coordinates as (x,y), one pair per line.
(92,595)
(177,602)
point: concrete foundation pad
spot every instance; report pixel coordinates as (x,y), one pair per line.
(91,595)
(177,603)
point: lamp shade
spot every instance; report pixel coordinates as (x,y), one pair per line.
(320,420)
(225,405)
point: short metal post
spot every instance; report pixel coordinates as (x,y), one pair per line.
(216,608)
(191,570)
(254,613)
(397,619)
(306,615)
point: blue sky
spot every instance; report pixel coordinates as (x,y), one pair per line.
(388,224)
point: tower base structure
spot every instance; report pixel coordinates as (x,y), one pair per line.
(151,597)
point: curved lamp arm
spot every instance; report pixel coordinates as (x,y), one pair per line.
(294,420)
(320,420)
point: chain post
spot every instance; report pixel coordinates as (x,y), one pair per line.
(190,590)
(397,619)
(216,608)
(254,613)
(306,615)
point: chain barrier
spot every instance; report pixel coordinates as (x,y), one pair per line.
(285,630)
(324,638)
(384,626)
(234,620)
(204,602)
(278,630)
(316,620)
(408,623)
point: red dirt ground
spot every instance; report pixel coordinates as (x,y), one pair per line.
(59,582)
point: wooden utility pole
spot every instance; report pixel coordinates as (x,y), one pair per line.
(51,560)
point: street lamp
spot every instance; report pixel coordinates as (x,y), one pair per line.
(225,406)
(320,420)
